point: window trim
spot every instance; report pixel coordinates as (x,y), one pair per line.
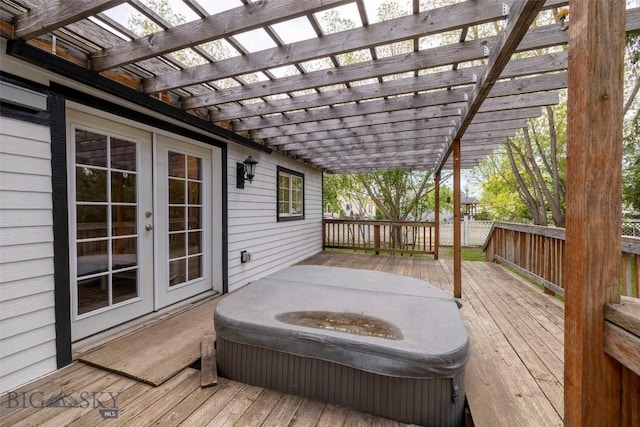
(288,217)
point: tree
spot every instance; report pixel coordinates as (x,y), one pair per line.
(631,130)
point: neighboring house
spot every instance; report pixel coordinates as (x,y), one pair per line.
(357,208)
(112,208)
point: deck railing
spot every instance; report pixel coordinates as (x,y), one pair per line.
(537,252)
(391,237)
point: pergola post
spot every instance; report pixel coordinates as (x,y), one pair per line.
(457,225)
(593,233)
(436,217)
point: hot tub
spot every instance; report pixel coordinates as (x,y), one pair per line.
(377,342)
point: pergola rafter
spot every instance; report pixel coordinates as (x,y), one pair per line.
(346,113)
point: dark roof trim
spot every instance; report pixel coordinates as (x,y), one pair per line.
(40,58)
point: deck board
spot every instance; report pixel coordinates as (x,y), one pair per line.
(514,376)
(158,352)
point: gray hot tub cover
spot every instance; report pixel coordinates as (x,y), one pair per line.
(434,343)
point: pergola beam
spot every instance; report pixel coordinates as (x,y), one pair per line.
(409,154)
(428,129)
(56,14)
(400,116)
(241,19)
(457,97)
(434,57)
(552,62)
(388,147)
(521,15)
(434,21)
(411,137)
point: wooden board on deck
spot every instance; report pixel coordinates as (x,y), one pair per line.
(208,368)
(156,353)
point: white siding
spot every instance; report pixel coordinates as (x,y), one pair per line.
(253,224)
(27,317)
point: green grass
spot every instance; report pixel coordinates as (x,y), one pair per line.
(468,253)
(446,252)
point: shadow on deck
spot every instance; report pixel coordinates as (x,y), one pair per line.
(514,376)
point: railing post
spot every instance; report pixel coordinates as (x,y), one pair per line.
(376,238)
(325,225)
(436,218)
(466,231)
(457,250)
(594,209)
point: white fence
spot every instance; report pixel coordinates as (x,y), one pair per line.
(474,233)
(631,227)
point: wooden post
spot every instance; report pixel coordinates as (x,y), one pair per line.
(593,233)
(457,226)
(376,238)
(436,218)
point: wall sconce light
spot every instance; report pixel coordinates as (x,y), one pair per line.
(245,171)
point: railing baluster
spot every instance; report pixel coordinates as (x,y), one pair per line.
(538,252)
(357,235)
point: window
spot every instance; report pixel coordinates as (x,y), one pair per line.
(290,195)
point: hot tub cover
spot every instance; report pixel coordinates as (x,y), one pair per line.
(433,344)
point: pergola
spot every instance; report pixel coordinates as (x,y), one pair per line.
(444,100)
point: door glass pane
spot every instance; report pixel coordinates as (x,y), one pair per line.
(91,148)
(177,272)
(177,245)
(185,205)
(123,154)
(125,285)
(123,219)
(195,218)
(91,221)
(194,166)
(195,245)
(194,193)
(123,187)
(195,267)
(176,191)
(93,294)
(125,253)
(93,257)
(176,165)
(106,220)
(91,185)
(177,218)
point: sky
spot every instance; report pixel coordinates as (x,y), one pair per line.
(291,31)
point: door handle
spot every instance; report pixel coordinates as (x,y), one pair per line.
(148,227)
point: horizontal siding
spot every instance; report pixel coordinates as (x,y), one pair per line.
(36,354)
(27,315)
(42,367)
(25,340)
(253,224)
(28,322)
(28,287)
(25,182)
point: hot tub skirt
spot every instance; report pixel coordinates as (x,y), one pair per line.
(428,402)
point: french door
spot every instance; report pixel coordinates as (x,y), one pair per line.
(183,220)
(141,221)
(111,248)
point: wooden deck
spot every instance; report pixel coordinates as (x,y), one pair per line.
(514,376)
